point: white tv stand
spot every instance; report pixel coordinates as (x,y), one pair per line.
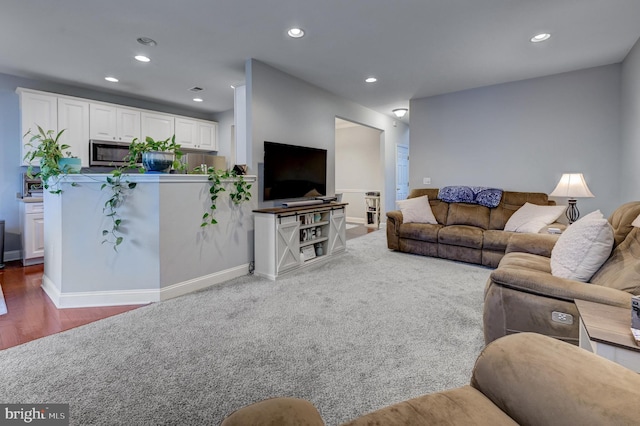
(287,239)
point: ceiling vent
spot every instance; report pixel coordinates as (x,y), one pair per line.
(196,89)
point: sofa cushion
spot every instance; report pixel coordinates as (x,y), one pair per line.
(526,261)
(461,406)
(468,214)
(622,270)
(420,231)
(416,210)
(622,218)
(582,248)
(511,202)
(461,235)
(532,218)
(496,240)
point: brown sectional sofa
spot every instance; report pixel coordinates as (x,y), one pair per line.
(521,295)
(526,379)
(467,232)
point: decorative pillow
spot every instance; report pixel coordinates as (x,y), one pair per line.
(488,197)
(582,248)
(416,210)
(636,222)
(532,217)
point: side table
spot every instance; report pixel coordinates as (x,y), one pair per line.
(605,331)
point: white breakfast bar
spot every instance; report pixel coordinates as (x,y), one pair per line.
(165,252)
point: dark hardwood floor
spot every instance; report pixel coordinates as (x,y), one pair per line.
(31,314)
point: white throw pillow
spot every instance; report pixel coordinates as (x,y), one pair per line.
(532,218)
(416,210)
(582,248)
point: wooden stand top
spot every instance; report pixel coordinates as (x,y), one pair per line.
(607,324)
(285,210)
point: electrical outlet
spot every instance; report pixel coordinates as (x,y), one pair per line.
(426,181)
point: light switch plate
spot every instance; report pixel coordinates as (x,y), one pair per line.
(426,181)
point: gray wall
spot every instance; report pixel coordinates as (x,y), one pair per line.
(11,138)
(630,179)
(524,135)
(282,108)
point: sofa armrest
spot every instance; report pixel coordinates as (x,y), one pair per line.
(540,244)
(276,412)
(394,220)
(545,284)
(538,380)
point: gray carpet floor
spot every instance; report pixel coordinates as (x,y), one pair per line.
(365,330)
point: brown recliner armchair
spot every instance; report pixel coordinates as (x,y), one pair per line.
(522,295)
(526,379)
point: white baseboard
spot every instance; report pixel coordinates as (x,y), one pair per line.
(205,281)
(136,297)
(355,220)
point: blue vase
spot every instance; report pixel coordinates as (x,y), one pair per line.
(157,161)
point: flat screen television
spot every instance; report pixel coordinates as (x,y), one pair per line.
(292,171)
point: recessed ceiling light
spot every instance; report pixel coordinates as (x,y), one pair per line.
(142,58)
(540,37)
(198,100)
(147,41)
(111,79)
(371,79)
(296,32)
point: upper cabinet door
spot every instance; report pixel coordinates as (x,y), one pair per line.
(157,125)
(186,132)
(128,121)
(36,110)
(207,136)
(103,122)
(73,117)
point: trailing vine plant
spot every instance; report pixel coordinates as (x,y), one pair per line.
(119,190)
(239,194)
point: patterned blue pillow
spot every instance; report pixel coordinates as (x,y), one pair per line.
(488,197)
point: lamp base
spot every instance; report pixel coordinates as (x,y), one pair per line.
(572,212)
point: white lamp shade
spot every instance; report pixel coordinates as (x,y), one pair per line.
(572,185)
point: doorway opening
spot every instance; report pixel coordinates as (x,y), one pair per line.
(359,167)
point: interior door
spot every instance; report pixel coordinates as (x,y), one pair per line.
(402,172)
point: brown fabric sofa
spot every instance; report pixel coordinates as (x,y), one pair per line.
(526,379)
(522,294)
(467,232)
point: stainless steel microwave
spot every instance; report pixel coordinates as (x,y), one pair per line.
(107,153)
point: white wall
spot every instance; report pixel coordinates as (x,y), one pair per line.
(523,135)
(630,156)
(282,108)
(358,167)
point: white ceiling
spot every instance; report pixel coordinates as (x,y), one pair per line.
(415,48)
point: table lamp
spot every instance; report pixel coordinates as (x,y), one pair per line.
(572,185)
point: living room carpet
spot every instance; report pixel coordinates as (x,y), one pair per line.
(367,329)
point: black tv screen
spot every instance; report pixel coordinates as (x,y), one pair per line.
(292,171)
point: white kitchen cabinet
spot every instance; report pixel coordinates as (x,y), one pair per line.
(196,134)
(32,224)
(186,132)
(36,109)
(113,123)
(73,117)
(286,239)
(207,136)
(157,125)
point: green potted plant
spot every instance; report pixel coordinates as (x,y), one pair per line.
(53,161)
(156,156)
